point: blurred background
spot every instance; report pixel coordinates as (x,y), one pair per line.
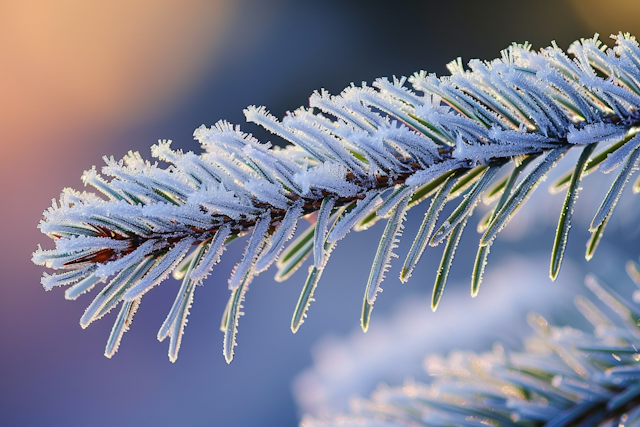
(79,80)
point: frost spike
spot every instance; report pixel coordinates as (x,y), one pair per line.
(251,252)
(306,296)
(185,289)
(521,192)
(277,241)
(81,287)
(563,182)
(320,234)
(164,267)
(233,314)
(465,208)
(112,294)
(421,240)
(594,240)
(611,199)
(301,241)
(564,223)
(211,255)
(445,263)
(348,221)
(483,251)
(121,325)
(382,260)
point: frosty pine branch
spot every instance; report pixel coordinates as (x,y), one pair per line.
(565,377)
(369,153)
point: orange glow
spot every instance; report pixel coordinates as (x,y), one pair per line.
(609,17)
(80,65)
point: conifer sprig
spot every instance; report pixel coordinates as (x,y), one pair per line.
(565,377)
(369,153)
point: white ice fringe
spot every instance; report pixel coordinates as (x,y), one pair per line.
(251,252)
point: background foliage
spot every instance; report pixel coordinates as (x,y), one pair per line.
(273,55)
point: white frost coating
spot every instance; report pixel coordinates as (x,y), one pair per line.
(80,243)
(111,295)
(222,202)
(305,121)
(212,255)
(434,171)
(418,146)
(176,320)
(370,202)
(377,151)
(285,231)
(110,268)
(451,123)
(334,105)
(520,138)
(177,331)
(328,176)
(189,214)
(251,252)
(225,134)
(320,235)
(267,193)
(56,259)
(85,285)
(394,198)
(160,271)
(397,90)
(91,177)
(614,159)
(595,133)
(388,242)
(121,325)
(232,171)
(571,90)
(48,281)
(261,116)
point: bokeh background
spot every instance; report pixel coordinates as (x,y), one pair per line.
(79,80)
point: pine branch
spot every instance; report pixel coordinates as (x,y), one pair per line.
(565,377)
(369,153)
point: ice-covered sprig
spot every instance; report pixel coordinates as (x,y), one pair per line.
(369,153)
(565,377)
